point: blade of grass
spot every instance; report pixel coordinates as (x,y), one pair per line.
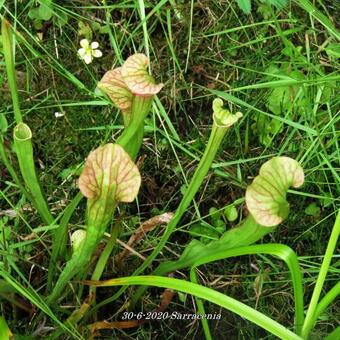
(309,321)
(145,28)
(8,46)
(200,307)
(29,293)
(327,300)
(190,36)
(315,13)
(207,294)
(60,238)
(281,251)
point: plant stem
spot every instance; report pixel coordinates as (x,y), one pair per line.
(99,214)
(246,233)
(24,150)
(310,316)
(215,139)
(104,256)
(203,167)
(9,61)
(132,137)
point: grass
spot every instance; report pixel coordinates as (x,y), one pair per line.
(199,50)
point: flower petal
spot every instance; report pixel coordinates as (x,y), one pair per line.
(137,78)
(81,52)
(84,43)
(88,58)
(97,53)
(94,45)
(114,86)
(266,196)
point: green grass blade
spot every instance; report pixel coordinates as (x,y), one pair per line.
(331,246)
(215,140)
(31,295)
(145,28)
(7,41)
(60,238)
(207,294)
(190,36)
(281,251)
(315,13)
(327,300)
(200,307)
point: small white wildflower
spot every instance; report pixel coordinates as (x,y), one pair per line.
(89,51)
(59,114)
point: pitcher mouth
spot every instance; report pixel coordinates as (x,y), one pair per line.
(22,132)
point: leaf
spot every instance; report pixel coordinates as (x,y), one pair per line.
(333,50)
(62,18)
(214,213)
(265,10)
(84,30)
(222,117)
(137,78)
(95,25)
(45,10)
(245,6)
(313,210)
(110,172)
(33,13)
(192,251)
(114,86)
(266,196)
(230,213)
(204,230)
(38,24)
(105,29)
(283,98)
(219,226)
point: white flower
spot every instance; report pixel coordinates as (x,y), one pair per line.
(89,51)
(59,114)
